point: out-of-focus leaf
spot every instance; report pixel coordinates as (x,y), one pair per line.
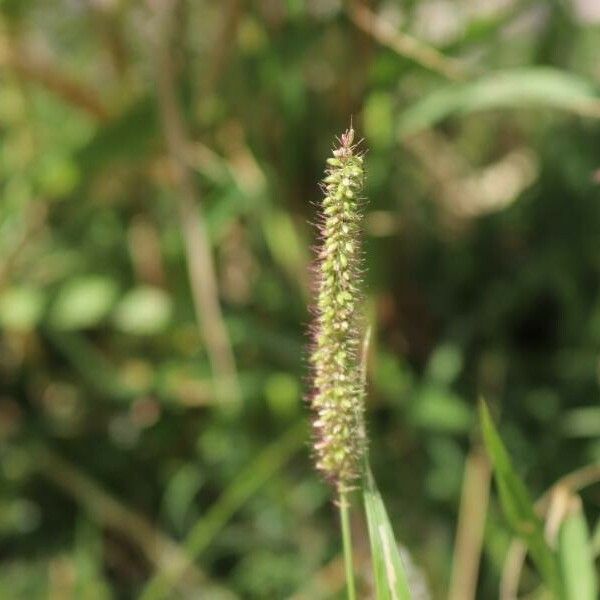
(445,364)
(180,493)
(516,88)
(444,475)
(391,581)
(143,311)
(129,136)
(517,505)
(90,364)
(18,516)
(58,175)
(21,307)
(264,466)
(282,393)
(575,554)
(437,409)
(83,302)
(582,422)
(378,116)
(392,377)
(285,244)
(23,579)
(87,560)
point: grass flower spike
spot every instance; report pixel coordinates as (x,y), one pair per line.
(338,390)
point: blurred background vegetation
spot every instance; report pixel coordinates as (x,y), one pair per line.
(159,162)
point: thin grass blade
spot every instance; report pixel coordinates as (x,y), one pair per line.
(506,89)
(391,581)
(518,507)
(575,555)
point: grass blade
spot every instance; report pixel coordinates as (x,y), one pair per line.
(514,88)
(391,582)
(248,482)
(575,555)
(518,507)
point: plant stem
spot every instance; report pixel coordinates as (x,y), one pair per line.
(347,543)
(200,263)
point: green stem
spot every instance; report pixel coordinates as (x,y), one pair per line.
(347,542)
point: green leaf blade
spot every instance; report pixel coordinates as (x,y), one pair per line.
(575,555)
(504,89)
(391,582)
(517,505)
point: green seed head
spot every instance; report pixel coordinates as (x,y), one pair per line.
(338,390)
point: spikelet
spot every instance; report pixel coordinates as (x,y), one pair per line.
(338,390)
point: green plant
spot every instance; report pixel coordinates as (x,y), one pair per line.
(566,567)
(338,364)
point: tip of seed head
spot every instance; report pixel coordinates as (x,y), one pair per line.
(347,137)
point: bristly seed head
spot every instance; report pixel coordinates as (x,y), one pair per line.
(338,390)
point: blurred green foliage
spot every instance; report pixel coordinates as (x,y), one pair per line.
(482,242)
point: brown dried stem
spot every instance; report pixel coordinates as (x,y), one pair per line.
(161,551)
(402,43)
(42,71)
(471,526)
(201,268)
